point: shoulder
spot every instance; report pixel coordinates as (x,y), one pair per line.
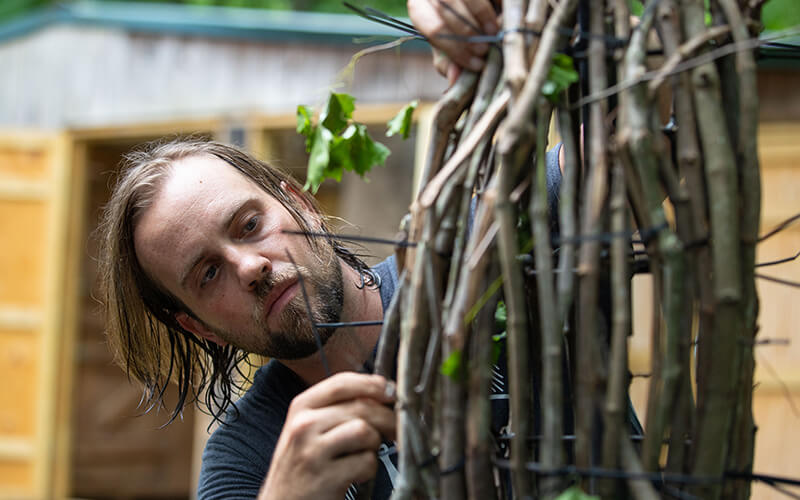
(238,454)
(387,272)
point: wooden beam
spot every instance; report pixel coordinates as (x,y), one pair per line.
(19,190)
(19,318)
(20,449)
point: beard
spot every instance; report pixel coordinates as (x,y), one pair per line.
(294,337)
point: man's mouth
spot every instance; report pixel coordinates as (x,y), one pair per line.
(281,295)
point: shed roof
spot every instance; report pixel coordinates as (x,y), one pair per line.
(228,22)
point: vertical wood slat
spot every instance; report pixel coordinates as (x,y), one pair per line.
(34,193)
(75,241)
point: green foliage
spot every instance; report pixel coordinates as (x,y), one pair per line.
(636,6)
(500,318)
(337,143)
(10,9)
(575,493)
(562,74)
(501,315)
(780,14)
(401,123)
(452,365)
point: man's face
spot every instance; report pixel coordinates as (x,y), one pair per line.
(214,239)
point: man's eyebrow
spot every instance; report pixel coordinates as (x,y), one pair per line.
(227,222)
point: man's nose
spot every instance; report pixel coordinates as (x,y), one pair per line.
(251,268)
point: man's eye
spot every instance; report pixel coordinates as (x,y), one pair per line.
(211,272)
(251,224)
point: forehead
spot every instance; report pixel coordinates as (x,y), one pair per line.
(202,175)
(190,209)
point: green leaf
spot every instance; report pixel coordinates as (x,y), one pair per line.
(501,315)
(365,152)
(338,112)
(401,123)
(319,158)
(304,125)
(561,75)
(336,143)
(780,14)
(637,7)
(452,365)
(575,493)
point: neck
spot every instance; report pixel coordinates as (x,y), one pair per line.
(349,347)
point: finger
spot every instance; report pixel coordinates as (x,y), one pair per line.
(485,15)
(453,72)
(459,21)
(439,27)
(353,436)
(380,417)
(344,387)
(440,62)
(356,467)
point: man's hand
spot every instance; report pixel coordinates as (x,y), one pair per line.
(440,19)
(330,438)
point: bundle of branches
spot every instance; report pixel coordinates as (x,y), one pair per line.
(685,187)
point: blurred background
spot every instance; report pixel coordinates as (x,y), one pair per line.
(82,82)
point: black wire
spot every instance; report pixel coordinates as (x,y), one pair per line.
(600,472)
(779,261)
(385,19)
(348,324)
(780,227)
(383,15)
(778,280)
(365,239)
(765,478)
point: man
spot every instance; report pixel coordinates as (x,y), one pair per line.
(197,271)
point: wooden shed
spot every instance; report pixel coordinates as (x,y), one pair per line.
(83,82)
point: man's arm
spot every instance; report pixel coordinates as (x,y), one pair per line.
(330,438)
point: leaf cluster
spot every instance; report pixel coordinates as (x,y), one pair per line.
(337,142)
(561,75)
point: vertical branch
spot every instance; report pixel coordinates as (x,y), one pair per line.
(639,143)
(480,479)
(615,409)
(750,203)
(592,222)
(566,213)
(716,397)
(516,325)
(470,286)
(514,44)
(689,202)
(551,451)
(413,339)
(534,21)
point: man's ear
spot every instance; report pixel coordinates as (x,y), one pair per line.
(196,327)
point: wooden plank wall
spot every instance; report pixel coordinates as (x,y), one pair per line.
(32,230)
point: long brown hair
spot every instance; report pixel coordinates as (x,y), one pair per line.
(143,335)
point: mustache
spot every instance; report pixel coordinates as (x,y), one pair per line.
(269,281)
